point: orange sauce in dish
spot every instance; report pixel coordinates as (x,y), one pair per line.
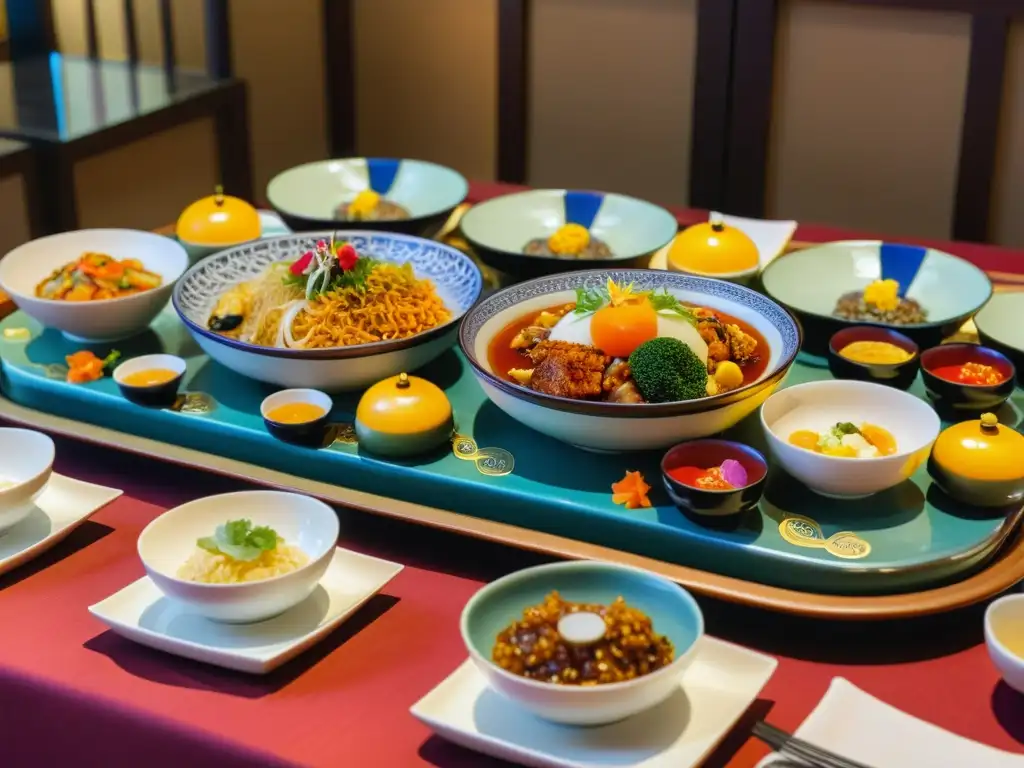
(295,413)
(151,377)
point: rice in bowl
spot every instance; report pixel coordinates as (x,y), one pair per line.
(209,568)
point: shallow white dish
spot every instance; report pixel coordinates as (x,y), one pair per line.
(62,507)
(169,540)
(1002,617)
(141,613)
(26,463)
(26,266)
(770,237)
(716,690)
(860,727)
(818,405)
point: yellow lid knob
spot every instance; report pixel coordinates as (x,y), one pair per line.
(404,405)
(989,420)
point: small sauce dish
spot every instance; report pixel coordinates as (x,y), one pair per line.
(1004,638)
(300,416)
(865,359)
(952,394)
(151,380)
(694,472)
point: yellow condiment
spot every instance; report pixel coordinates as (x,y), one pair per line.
(713,248)
(569,240)
(981,450)
(403,405)
(875,353)
(219,220)
(366,202)
(1009,630)
(295,413)
(884,294)
(151,377)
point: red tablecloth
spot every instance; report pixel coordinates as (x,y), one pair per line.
(72,693)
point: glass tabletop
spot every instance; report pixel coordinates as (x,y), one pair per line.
(63,98)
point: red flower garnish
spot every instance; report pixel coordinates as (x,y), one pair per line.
(347,257)
(321,245)
(299,266)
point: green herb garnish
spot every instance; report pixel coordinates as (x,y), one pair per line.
(238,539)
(844,428)
(592,299)
(110,361)
(664,301)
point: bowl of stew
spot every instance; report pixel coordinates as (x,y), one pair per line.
(583,643)
(967,378)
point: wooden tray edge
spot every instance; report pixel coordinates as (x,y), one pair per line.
(1003,573)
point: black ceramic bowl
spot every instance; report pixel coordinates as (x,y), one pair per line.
(953,397)
(306,196)
(705,454)
(130,374)
(899,375)
(309,433)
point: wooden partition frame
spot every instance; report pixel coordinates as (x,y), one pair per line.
(751,100)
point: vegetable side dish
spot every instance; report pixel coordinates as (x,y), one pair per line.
(95,277)
(847,440)
(239,552)
(370,206)
(569,240)
(532,646)
(621,346)
(880,302)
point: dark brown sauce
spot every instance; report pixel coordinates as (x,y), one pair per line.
(502,357)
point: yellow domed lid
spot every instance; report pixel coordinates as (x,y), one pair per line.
(218,220)
(982,449)
(404,405)
(713,248)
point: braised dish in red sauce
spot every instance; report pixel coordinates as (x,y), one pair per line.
(618,345)
(533,648)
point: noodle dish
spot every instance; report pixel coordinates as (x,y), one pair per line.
(286,310)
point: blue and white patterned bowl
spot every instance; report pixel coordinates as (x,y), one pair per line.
(457,279)
(601,426)
(809,282)
(307,196)
(499,229)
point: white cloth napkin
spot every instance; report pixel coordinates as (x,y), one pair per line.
(858,726)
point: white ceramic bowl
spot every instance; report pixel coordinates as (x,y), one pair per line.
(819,405)
(26,266)
(613,427)
(1005,618)
(26,460)
(673,611)
(456,278)
(167,542)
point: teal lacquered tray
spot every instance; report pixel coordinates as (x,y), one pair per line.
(917,537)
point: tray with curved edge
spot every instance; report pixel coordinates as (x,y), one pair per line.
(1003,572)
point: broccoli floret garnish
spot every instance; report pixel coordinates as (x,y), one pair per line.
(665,370)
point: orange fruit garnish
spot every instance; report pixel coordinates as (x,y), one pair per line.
(631,491)
(881,438)
(617,331)
(804,438)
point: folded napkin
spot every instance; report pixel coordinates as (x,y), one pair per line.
(858,726)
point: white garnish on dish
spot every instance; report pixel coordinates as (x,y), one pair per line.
(581,627)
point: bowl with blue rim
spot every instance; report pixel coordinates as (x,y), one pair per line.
(545,231)
(371,193)
(920,292)
(588,588)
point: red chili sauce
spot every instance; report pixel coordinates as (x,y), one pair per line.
(502,357)
(970,373)
(704,479)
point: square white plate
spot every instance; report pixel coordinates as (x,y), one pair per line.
(716,690)
(140,612)
(770,237)
(64,505)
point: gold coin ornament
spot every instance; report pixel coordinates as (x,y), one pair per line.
(193,403)
(494,462)
(804,532)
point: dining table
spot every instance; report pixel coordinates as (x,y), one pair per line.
(73,693)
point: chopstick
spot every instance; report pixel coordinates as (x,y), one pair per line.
(789,745)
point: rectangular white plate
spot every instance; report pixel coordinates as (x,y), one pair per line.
(63,506)
(716,690)
(770,237)
(140,612)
